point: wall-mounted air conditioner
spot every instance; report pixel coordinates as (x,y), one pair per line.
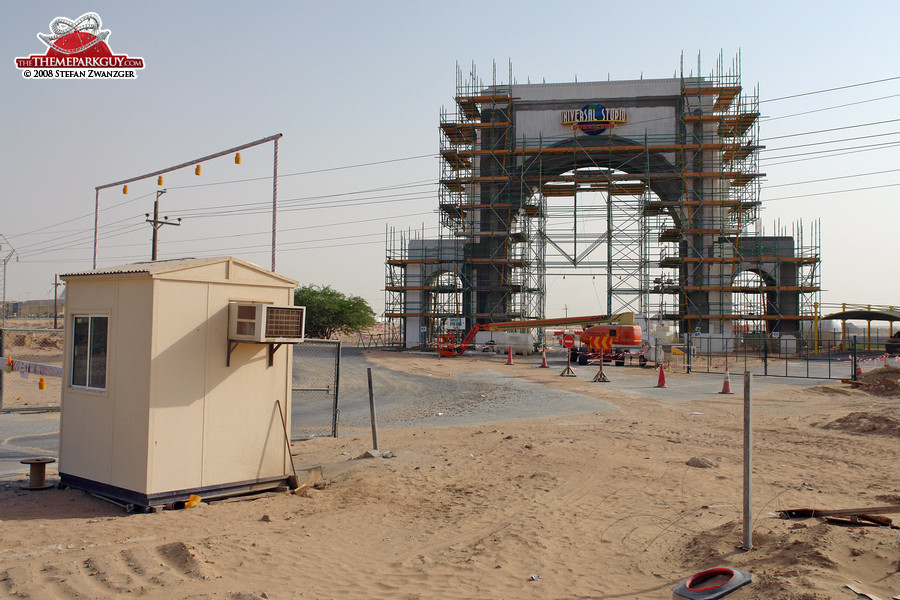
(265,323)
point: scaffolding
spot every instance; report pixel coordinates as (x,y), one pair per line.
(670,218)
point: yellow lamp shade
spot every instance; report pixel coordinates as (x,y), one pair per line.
(197,170)
(124,189)
(237,158)
(159,180)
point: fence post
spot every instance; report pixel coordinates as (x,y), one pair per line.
(3,367)
(854,363)
(335,412)
(748,463)
(372,411)
(690,352)
(766,355)
(725,347)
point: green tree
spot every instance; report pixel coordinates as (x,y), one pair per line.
(330,312)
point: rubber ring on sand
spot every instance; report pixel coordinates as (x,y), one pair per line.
(712,583)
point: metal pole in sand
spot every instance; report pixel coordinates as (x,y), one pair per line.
(372,411)
(748,464)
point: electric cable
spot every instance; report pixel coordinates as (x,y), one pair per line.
(329,169)
(768,187)
(864,147)
(862,189)
(809,112)
(843,87)
(851,139)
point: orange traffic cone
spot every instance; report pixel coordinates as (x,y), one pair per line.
(544,364)
(509,358)
(662,377)
(726,385)
(858,370)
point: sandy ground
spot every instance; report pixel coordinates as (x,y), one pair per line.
(595,504)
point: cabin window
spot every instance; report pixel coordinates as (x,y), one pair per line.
(90,341)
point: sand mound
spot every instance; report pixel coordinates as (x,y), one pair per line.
(884,382)
(788,553)
(867,422)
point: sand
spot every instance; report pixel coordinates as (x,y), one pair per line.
(599,504)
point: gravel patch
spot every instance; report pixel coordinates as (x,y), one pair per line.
(407,400)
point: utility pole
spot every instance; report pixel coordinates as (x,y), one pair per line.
(12,252)
(156,223)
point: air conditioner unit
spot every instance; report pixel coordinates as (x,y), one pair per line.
(265,323)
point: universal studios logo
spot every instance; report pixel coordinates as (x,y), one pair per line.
(78,49)
(594,118)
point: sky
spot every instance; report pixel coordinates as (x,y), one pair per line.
(356,89)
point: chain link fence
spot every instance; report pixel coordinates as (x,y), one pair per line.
(783,356)
(314,394)
(21,384)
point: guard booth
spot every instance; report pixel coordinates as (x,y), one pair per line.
(171,374)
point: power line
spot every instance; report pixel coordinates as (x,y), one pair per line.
(129,229)
(862,189)
(768,187)
(867,146)
(76,233)
(368,164)
(187,211)
(73,245)
(836,153)
(779,137)
(320,206)
(266,232)
(851,139)
(90,214)
(834,89)
(809,112)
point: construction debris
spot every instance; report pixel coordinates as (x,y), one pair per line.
(806,513)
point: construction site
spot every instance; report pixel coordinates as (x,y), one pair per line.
(652,185)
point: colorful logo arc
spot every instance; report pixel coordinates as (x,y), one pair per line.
(593,119)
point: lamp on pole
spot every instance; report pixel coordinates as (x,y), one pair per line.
(156,223)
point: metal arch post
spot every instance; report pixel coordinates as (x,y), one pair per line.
(274,203)
(189,163)
(96,222)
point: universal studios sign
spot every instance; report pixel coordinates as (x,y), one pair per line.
(594,118)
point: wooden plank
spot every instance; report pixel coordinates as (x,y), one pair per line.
(805,513)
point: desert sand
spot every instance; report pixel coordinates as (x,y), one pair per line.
(599,504)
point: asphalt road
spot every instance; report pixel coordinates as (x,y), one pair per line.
(406,400)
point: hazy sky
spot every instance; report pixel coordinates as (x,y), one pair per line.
(351,83)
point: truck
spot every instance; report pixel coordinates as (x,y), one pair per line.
(621,331)
(610,341)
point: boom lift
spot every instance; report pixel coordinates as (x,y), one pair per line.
(609,341)
(447,347)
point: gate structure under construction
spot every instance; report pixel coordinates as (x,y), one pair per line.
(651,184)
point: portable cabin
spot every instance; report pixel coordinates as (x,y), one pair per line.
(168,390)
